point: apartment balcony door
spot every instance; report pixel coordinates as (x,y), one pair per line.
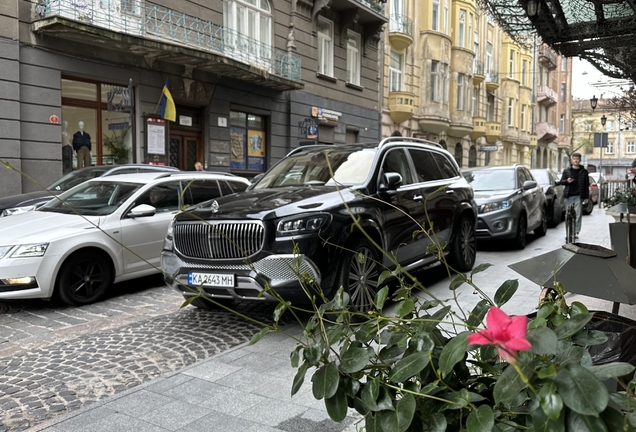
(186,148)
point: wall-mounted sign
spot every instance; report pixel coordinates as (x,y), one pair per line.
(156,132)
(488,148)
(54,119)
(118,126)
(308,127)
(222,122)
(326,114)
(185,120)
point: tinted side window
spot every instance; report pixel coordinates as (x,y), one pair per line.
(237,186)
(163,197)
(445,165)
(198,191)
(425,166)
(397,162)
(225,188)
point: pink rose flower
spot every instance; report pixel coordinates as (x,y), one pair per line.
(507,333)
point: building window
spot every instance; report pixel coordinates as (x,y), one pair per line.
(460,92)
(524,72)
(510,111)
(252,19)
(470,25)
(476,46)
(523,117)
(435,79)
(395,72)
(562,123)
(446,15)
(353,58)
(462,28)
(248,141)
(475,99)
(435,23)
(444,78)
(488,65)
(325,47)
(511,64)
(609,126)
(562,92)
(459,154)
(564,63)
(610,147)
(630,146)
(490,114)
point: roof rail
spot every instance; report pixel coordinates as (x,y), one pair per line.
(391,139)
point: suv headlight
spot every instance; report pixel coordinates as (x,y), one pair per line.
(302,225)
(167,240)
(18,210)
(496,205)
(30,250)
(4,250)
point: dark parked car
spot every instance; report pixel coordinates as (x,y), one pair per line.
(281,222)
(32,200)
(553,190)
(510,203)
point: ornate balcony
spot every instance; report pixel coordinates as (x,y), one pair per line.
(492,81)
(147,32)
(546,132)
(479,128)
(401,106)
(546,96)
(493,132)
(400,31)
(478,73)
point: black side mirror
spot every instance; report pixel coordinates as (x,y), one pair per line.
(390,181)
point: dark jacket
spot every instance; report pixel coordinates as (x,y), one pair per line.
(80,140)
(580,186)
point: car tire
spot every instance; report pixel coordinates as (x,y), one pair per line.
(522,232)
(360,279)
(464,248)
(203,304)
(587,208)
(555,215)
(84,278)
(542,229)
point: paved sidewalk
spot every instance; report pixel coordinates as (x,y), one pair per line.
(248,388)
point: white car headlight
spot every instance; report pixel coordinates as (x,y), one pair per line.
(30,250)
(18,210)
(167,241)
(497,205)
(4,250)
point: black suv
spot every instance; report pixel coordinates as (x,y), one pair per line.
(298,217)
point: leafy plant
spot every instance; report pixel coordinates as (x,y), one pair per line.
(116,144)
(620,196)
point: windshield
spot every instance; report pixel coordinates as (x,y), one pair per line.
(350,167)
(490,180)
(76,177)
(98,198)
(541,177)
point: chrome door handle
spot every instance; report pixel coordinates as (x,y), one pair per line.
(417,198)
(450,191)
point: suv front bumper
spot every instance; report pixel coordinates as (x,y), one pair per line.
(282,273)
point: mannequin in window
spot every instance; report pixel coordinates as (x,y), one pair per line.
(82,145)
(67,150)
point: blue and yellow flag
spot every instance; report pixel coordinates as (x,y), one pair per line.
(168,110)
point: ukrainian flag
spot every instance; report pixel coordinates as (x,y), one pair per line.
(168,110)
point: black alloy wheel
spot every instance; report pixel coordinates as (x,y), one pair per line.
(359,274)
(522,228)
(587,208)
(85,277)
(542,229)
(464,248)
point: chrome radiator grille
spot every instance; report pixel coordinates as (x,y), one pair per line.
(219,240)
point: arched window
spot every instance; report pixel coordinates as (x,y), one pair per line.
(248,29)
(459,154)
(443,144)
(472,156)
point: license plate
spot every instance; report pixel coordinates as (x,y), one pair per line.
(211,279)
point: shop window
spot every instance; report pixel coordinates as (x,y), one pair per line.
(248,142)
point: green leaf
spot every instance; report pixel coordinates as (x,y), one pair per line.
(606,371)
(354,359)
(258,336)
(409,366)
(615,421)
(478,313)
(510,384)
(434,422)
(295,357)
(380,296)
(334,334)
(547,372)
(506,291)
(367,332)
(397,420)
(457,281)
(481,420)
(551,402)
(370,393)
(337,406)
(453,352)
(542,423)
(299,379)
(585,423)
(385,401)
(325,381)
(480,268)
(434,319)
(589,338)
(571,326)
(350,385)
(311,354)
(280,310)
(543,340)
(581,390)
(391,354)
(385,274)
(422,341)
(404,308)
(570,355)
(546,310)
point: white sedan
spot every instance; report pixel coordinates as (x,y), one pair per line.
(103,231)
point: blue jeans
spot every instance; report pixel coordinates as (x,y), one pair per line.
(578,207)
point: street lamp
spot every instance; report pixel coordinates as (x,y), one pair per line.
(593,102)
(600,164)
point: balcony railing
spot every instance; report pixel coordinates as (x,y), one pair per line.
(376,5)
(478,67)
(492,77)
(547,55)
(401,24)
(161,24)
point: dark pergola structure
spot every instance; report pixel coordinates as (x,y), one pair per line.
(602,32)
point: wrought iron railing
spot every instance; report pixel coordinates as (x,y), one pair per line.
(401,24)
(492,77)
(166,25)
(376,5)
(478,67)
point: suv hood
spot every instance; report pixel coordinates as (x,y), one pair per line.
(484,197)
(270,203)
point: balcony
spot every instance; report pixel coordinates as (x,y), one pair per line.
(478,73)
(546,132)
(140,33)
(547,57)
(368,13)
(401,105)
(546,96)
(400,31)
(479,128)
(492,81)
(493,132)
